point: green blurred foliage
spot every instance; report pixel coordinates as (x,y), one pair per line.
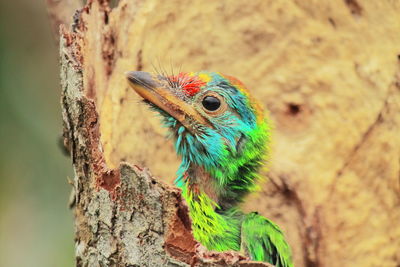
(36,226)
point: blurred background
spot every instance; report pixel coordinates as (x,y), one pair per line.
(36,227)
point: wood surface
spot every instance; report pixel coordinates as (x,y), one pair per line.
(326,71)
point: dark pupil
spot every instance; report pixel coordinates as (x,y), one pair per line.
(211,103)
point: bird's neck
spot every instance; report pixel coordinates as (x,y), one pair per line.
(227,177)
(198,181)
(213,189)
(216,229)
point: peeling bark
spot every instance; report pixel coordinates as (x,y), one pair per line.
(61,13)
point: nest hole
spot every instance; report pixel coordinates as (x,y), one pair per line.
(293,109)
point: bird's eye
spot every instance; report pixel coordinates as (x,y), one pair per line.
(211,103)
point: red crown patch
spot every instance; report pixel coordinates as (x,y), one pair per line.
(190,84)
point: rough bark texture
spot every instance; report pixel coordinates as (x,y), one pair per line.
(61,13)
(327,71)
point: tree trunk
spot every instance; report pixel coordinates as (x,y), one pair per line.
(327,72)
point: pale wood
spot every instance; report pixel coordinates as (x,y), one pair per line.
(326,70)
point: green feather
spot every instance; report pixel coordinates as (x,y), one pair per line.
(263,240)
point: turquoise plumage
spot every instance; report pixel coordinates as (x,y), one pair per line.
(222,137)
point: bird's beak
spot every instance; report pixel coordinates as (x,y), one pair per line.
(155,90)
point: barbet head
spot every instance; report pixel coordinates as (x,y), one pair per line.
(217,125)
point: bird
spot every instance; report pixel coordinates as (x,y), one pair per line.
(223,138)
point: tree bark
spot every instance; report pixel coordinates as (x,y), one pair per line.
(328,73)
(61,13)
